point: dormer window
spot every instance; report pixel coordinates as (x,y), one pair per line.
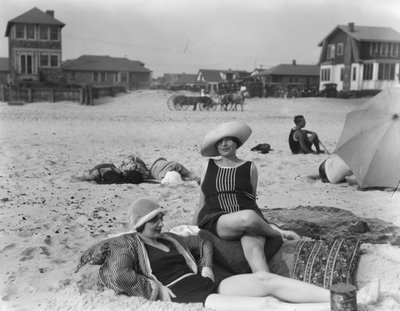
(373,48)
(330,54)
(394,49)
(340,49)
(384,49)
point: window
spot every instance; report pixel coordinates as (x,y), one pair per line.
(72,75)
(325,74)
(26,64)
(330,51)
(340,49)
(43,32)
(394,49)
(384,49)
(54,33)
(99,76)
(124,77)
(386,71)
(354,73)
(30,32)
(44,59)
(49,59)
(341,74)
(53,60)
(368,71)
(373,49)
(19,31)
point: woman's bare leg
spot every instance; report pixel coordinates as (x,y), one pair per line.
(253,249)
(262,284)
(234,225)
(239,303)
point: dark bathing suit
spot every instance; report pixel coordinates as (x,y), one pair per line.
(295,145)
(226,190)
(169,266)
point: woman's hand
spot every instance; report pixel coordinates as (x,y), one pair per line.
(208,273)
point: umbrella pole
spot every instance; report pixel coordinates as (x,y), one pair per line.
(395,189)
(324,147)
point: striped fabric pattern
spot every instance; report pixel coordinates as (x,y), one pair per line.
(325,263)
(225,185)
(125,266)
(226,190)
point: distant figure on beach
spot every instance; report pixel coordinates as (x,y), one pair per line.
(302,140)
(227,205)
(163,266)
(134,170)
(108,173)
(334,170)
(161,167)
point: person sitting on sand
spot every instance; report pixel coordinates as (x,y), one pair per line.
(333,170)
(157,265)
(162,166)
(227,205)
(301,140)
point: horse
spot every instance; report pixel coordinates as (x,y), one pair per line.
(231,100)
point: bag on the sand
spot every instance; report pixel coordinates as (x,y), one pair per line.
(107,174)
(262,148)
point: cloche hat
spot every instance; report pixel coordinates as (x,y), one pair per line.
(142,210)
(237,129)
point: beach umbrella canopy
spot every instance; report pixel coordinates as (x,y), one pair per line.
(370,140)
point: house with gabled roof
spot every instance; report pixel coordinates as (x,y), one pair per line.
(186,81)
(34,41)
(106,70)
(291,74)
(301,77)
(213,78)
(360,57)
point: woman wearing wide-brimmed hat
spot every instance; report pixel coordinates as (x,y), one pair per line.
(157,265)
(227,206)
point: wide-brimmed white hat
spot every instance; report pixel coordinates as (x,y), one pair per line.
(142,210)
(237,129)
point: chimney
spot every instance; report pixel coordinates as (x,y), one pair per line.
(50,12)
(294,62)
(351,27)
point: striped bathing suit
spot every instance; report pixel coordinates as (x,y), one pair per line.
(226,190)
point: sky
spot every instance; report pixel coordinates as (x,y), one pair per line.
(183,36)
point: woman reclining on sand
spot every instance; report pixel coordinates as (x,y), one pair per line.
(158,265)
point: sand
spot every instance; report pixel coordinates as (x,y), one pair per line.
(47,221)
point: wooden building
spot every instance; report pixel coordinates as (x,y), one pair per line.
(34,46)
(214,80)
(360,58)
(289,76)
(105,70)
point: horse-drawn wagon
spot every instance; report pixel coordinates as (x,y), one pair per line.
(228,101)
(182,102)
